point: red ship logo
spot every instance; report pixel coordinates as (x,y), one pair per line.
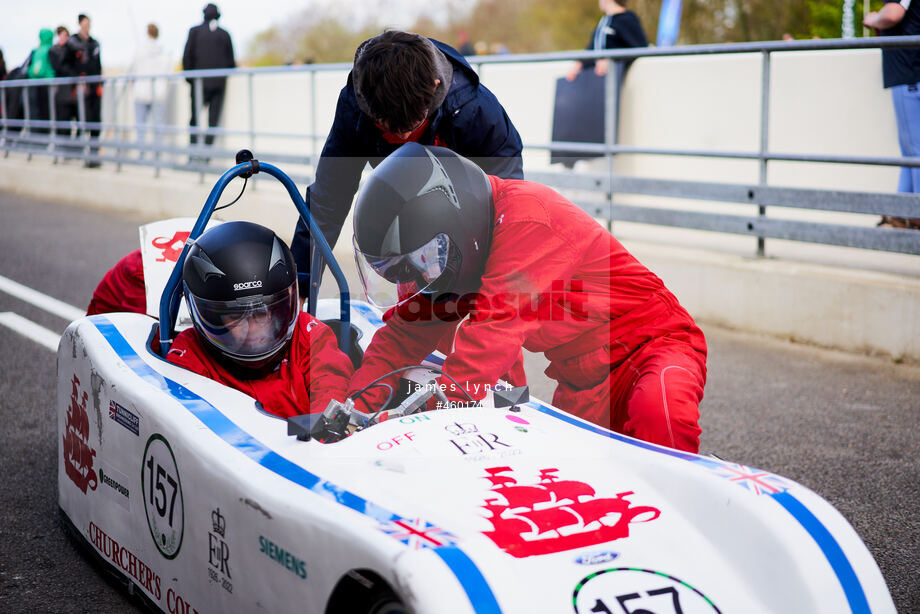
(78,456)
(554,515)
(172,248)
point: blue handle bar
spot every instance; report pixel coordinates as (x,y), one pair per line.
(169,301)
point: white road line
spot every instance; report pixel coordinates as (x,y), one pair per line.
(30,329)
(43,301)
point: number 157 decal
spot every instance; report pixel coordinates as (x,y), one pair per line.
(623,600)
(162,494)
(628,590)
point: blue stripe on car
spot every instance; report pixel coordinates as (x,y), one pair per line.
(471,579)
(483,598)
(369,314)
(825,541)
(832,550)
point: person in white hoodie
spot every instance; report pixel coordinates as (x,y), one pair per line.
(150,93)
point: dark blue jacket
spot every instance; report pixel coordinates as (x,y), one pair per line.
(470,121)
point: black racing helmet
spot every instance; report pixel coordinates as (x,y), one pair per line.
(240,283)
(423,224)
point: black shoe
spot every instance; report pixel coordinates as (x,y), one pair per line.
(92,164)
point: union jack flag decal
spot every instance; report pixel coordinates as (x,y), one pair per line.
(757,481)
(417,533)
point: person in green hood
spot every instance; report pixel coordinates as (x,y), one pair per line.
(40,68)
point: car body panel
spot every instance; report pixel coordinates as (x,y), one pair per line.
(459,510)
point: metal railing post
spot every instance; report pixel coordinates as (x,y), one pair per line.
(315,138)
(199,111)
(121,129)
(611,127)
(3,95)
(81,117)
(26,131)
(52,111)
(159,116)
(764,142)
(252,123)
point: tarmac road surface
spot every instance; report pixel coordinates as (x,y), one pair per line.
(846,426)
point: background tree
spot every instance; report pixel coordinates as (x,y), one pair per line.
(324,33)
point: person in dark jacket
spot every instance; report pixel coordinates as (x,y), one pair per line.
(403,87)
(618,28)
(208,46)
(65,97)
(901,74)
(83,54)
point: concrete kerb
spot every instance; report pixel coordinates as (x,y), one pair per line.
(842,308)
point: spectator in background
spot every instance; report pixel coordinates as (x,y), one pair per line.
(2,66)
(65,98)
(83,53)
(40,68)
(464,46)
(150,94)
(208,46)
(619,28)
(901,73)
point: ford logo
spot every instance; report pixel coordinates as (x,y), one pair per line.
(596,558)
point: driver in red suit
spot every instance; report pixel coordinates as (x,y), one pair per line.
(440,241)
(240,284)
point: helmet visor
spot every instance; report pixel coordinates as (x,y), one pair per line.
(250,327)
(391,280)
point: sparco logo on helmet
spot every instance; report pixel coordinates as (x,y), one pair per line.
(247,285)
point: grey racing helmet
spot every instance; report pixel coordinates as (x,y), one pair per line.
(423,224)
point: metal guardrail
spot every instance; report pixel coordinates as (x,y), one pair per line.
(45,137)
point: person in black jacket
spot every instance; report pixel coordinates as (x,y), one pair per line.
(618,28)
(901,74)
(65,98)
(208,46)
(403,87)
(83,54)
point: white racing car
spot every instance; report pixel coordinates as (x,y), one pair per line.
(201,502)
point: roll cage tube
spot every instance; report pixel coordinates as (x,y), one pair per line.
(169,301)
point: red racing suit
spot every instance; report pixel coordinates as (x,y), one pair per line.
(314,371)
(623,351)
(122,288)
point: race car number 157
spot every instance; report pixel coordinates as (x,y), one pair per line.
(162,494)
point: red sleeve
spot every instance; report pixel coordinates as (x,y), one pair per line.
(525,258)
(403,341)
(324,367)
(122,288)
(186,351)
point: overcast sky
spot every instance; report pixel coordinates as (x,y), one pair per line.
(118,25)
